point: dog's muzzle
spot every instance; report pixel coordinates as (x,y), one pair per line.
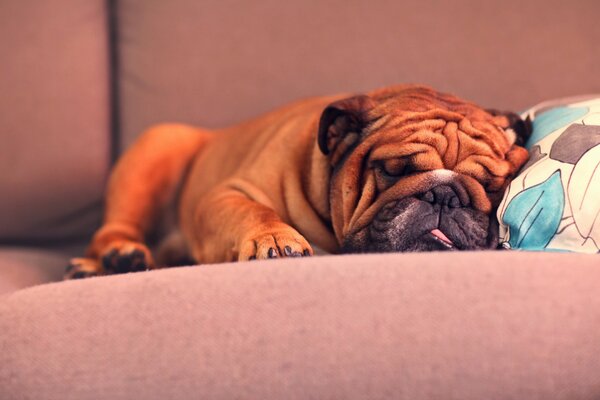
(441,218)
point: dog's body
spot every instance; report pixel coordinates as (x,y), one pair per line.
(339,172)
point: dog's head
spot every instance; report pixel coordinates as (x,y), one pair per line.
(414,169)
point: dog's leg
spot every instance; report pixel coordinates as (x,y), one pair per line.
(143,181)
(173,250)
(231,225)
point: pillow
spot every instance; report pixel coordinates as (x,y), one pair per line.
(554,202)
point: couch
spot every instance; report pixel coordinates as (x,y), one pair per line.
(80,80)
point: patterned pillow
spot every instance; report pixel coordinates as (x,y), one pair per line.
(554,202)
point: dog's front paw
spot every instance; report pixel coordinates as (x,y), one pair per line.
(283,241)
(125,256)
(79,268)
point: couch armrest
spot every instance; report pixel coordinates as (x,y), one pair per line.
(481,325)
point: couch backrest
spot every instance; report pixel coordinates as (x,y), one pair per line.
(215,62)
(54,117)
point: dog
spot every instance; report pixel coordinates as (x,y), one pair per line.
(404,168)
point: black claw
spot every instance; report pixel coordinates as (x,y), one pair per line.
(109,261)
(287,250)
(272,253)
(138,261)
(137,254)
(296,254)
(81,275)
(306,252)
(252,258)
(123,263)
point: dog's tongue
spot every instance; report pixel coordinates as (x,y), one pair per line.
(440,235)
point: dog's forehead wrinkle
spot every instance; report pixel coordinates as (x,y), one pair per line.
(455,145)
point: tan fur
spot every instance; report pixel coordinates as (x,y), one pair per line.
(265,184)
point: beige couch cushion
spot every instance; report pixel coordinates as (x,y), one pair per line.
(215,62)
(487,325)
(21,267)
(54,117)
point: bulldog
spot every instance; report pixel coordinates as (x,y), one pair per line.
(404,168)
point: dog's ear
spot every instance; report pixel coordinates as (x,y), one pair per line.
(520,128)
(519,131)
(342,123)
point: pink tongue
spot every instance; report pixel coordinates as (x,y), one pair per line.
(440,235)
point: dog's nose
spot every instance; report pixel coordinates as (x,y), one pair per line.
(443,195)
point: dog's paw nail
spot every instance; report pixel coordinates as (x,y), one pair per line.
(138,261)
(126,258)
(70,267)
(82,275)
(109,260)
(306,252)
(272,244)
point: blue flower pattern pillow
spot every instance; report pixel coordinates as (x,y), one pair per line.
(554,202)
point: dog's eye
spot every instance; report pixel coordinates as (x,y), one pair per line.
(388,172)
(494,184)
(395,167)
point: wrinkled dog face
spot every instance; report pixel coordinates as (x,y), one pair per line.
(415,170)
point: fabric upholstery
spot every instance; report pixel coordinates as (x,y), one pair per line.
(21,267)
(215,62)
(54,117)
(487,325)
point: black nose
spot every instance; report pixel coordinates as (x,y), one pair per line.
(445,195)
